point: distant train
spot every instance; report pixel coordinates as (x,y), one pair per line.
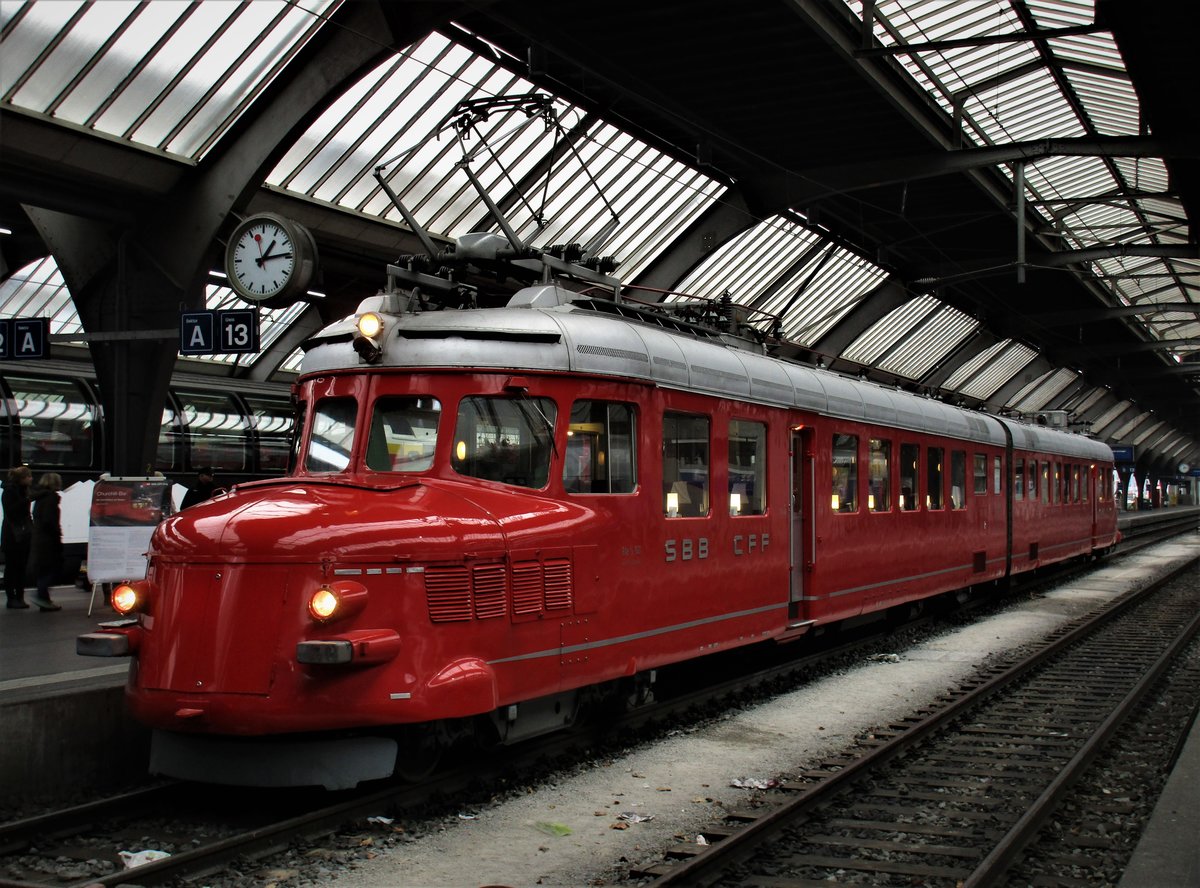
(499,515)
(51,420)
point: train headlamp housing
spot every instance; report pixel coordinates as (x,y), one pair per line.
(337,601)
(367,339)
(130,598)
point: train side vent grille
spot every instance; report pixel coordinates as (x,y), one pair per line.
(448,593)
(558,584)
(527,587)
(488,584)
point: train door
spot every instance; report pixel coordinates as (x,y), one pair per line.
(803,527)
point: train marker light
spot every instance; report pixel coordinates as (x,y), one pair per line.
(370,325)
(337,601)
(366,343)
(126,598)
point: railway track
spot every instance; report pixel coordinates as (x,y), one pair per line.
(954,794)
(51,848)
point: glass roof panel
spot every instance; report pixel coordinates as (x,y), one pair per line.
(38,291)
(982,376)
(912,339)
(169,76)
(1041,391)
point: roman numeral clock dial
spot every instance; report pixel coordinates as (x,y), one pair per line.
(270,260)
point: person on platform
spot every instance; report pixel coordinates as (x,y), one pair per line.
(45,555)
(16,532)
(204,488)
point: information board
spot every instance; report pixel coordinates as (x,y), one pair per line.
(124,513)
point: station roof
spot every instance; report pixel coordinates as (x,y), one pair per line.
(985,202)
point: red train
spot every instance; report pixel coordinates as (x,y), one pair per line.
(497,513)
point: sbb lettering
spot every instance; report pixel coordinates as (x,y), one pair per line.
(686,549)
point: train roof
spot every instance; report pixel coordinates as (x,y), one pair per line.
(548,329)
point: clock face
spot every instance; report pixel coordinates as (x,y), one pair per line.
(261,258)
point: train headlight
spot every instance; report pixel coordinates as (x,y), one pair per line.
(366,341)
(128,598)
(337,601)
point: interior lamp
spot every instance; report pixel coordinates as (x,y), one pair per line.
(735,504)
(672,504)
(836,502)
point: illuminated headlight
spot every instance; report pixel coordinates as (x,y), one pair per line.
(128,598)
(366,342)
(336,601)
(370,325)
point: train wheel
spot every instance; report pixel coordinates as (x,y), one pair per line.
(418,754)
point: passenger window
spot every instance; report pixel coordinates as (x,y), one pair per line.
(1059,479)
(1019,478)
(1045,483)
(332,435)
(981,473)
(845,474)
(933,477)
(958,479)
(685,465)
(747,467)
(56,421)
(600,448)
(879,492)
(910,455)
(1075,491)
(403,434)
(996,474)
(505,439)
(273,430)
(1085,482)
(217,432)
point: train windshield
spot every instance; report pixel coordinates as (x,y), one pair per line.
(403,434)
(505,439)
(332,435)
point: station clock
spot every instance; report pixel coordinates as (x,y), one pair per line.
(270,260)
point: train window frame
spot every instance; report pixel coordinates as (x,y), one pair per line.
(935,479)
(32,433)
(395,418)
(879,477)
(604,461)
(910,462)
(751,496)
(843,477)
(1019,478)
(346,442)
(997,474)
(517,448)
(980,472)
(1044,483)
(686,495)
(958,480)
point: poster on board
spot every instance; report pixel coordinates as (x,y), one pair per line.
(123,516)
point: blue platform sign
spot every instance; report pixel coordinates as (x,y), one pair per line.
(1123,453)
(231,331)
(22,338)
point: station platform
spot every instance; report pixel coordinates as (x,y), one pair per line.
(63,725)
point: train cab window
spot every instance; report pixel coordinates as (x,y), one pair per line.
(601,456)
(1019,478)
(55,420)
(844,497)
(958,479)
(403,434)
(933,477)
(910,455)
(879,486)
(685,465)
(747,467)
(273,427)
(981,474)
(217,431)
(332,435)
(509,440)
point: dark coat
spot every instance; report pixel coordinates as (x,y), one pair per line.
(45,556)
(198,494)
(17,524)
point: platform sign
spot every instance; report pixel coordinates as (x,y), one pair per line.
(23,338)
(124,514)
(231,331)
(1123,453)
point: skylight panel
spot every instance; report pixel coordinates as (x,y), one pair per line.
(983,375)
(1037,394)
(38,291)
(1108,100)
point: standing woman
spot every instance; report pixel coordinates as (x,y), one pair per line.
(45,558)
(15,533)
